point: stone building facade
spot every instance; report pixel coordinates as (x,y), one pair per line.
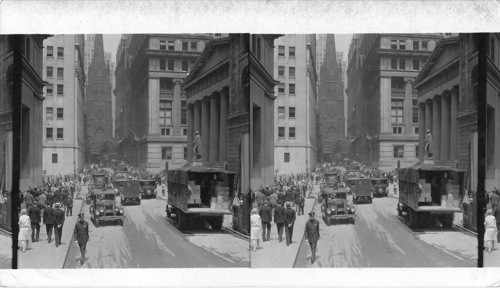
(63,118)
(295,137)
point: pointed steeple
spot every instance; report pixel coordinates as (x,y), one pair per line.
(98,50)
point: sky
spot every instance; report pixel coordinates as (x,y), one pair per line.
(342,42)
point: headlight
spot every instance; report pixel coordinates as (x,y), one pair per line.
(96,212)
(380,190)
(353,209)
(101,210)
(121,211)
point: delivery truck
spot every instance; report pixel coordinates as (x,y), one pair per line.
(200,194)
(430,194)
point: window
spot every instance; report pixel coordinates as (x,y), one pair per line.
(416,150)
(402,64)
(171,65)
(194,46)
(50,88)
(291,112)
(399,151)
(185,155)
(394,44)
(291,72)
(394,64)
(50,72)
(402,45)
(166,153)
(166,84)
(184,46)
(291,132)
(163,64)
(281,71)
(281,132)
(415,130)
(281,112)
(281,51)
(60,89)
(281,88)
(185,66)
(171,45)
(60,52)
(397,130)
(163,45)
(49,133)
(165,112)
(50,113)
(416,45)
(416,65)
(60,72)
(415,111)
(54,158)
(397,106)
(184,131)
(291,89)
(183,112)
(291,52)
(165,131)
(424,46)
(60,134)
(287,157)
(398,83)
(60,113)
(50,51)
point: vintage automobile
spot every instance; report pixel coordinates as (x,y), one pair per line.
(335,205)
(332,177)
(130,192)
(103,207)
(98,180)
(361,190)
(379,187)
(148,188)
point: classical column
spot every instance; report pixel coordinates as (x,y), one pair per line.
(205,128)
(436,127)
(421,129)
(453,123)
(190,130)
(408,106)
(176,107)
(428,115)
(197,117)
(223,124)
(445,126)
(214,128)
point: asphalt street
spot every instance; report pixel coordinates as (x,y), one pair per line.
(381,238)
(149,240)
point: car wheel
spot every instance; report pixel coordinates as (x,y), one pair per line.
(400,211)
(96,222)
(328,221)
(139,202)
(121,222)
(169,214)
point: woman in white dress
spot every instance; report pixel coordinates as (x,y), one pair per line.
(255,229)
(490,233)
(24,229)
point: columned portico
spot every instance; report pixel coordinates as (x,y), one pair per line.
(453,123)
(190,134)
(445,126)
(428,115)
(214,127)
(436,126)
(421,129)
(176,106)
(224,102)
(205,128)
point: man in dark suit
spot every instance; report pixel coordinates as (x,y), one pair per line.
(266,218)
(57,196)
(50,198)
(28,199)
(48,220)
(289,221)
(69,206)
(82,235)
(35,215)
(281,197)
(58,223)
(311,234)
(279,219)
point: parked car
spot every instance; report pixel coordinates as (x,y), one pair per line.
(103,207)
(335,205)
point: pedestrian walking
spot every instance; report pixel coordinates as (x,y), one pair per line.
(24,229)
(48,220)
(496,214)
(300,204)
(58,223)
(279,219)
(28,199)
(494,199)
(34,213)
(69,206)
(259,199)
(266,218)
(82,235)
(289,222)
(490,233)
(255,229)
(311,234)
(50,198)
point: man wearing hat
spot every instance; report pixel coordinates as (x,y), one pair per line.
(266,218)
(311,234)
(82,235)
(289,221)
(48,220)
(279,219)
(58,223)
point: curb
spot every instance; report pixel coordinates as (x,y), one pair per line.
(465,229)
(232,231)
(303,234)
(5,232)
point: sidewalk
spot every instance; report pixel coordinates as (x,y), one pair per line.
(274,254)
(44,255)
(5,250)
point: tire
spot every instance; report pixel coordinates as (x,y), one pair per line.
(353,221)
(413,215)
(139,202)
(181,220)
(121,222)
(370,201)
(96,222)
(169,213)
(216,223)
(400,211)
(328,221)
